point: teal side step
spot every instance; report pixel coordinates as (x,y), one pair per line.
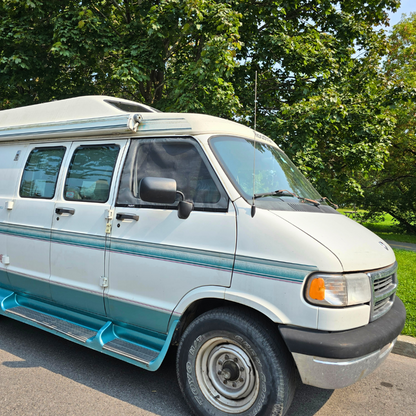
(146,351)
(71,330)
(130,350)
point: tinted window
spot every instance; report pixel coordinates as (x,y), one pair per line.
(132,108)
(90,173)
(41,172)
(178,159)
(272,169)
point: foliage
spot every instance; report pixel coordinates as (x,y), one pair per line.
(393,190)
(338,134)
(401,60)
(318,98)
(173,54)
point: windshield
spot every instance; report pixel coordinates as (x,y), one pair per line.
(273,171)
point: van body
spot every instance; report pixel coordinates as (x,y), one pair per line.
(129,230)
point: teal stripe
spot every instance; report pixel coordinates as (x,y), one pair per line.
(78,239)
(195,257)
(29,285)
(137,314)
(57,236)
(201,258)
(253,266)
(37,233)
(4,279)
(82,300)
(271,269)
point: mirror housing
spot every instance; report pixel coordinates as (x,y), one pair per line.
(159,190)
(184,209)
(163,191)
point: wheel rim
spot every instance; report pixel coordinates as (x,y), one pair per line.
(227,375)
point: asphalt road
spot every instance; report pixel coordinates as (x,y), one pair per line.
(41,374)
(401,246)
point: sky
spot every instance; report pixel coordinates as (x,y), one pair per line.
(407,6)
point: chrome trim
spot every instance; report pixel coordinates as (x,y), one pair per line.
(384,297)
(327,373)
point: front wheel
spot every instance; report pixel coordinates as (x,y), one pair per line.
(229,362)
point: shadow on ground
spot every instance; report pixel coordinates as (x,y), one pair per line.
(308,400)
(157,392)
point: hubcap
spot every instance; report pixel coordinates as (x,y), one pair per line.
(227,375)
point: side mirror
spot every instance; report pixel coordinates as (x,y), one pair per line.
(184,209)
(159,190)
(163,191)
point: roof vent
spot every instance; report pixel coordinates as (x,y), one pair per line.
(132,107)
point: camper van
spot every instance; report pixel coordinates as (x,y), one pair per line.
(131,231)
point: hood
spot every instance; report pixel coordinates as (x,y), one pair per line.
(356,248)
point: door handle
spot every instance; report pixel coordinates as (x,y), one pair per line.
(60,211)
(123,216)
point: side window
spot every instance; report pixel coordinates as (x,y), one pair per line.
(41,172)
(90,173)
(179,159)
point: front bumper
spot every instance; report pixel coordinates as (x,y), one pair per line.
(332,360)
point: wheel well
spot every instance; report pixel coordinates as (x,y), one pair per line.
(204,305)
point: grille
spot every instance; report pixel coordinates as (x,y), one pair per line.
(381,284)
(384,286)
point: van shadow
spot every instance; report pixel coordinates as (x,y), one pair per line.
(156,392)
(308,400)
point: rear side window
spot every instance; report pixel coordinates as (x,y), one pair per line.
(90,173)
(175,158)
(41,172)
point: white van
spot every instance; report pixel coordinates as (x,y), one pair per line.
(129,230)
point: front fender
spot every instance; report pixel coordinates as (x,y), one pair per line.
(259,304)
(200,293)
(215,292)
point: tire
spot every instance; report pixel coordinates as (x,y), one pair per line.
(231,363)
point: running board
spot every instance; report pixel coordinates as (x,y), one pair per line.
(71,330)
(130,350)
(103,337)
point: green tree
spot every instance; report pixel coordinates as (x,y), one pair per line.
(177,55)
(318,98)
(393,190)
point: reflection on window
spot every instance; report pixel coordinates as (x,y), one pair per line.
(180,159)
(177,160)
(90,173)
(272,169)
(41,172)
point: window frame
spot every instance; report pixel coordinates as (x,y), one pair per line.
(126,178)
(71,163)
(64,148)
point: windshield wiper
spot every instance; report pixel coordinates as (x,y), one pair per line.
(312,201)
(284,192)
(329,202)
(281,192)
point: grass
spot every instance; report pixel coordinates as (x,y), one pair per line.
(386,228)
(390,231)
(407,288)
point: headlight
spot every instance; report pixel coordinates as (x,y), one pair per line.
(338,290)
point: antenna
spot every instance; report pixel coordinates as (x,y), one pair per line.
(253,207)
(255,102)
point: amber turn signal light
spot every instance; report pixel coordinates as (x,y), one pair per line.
(317,289)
